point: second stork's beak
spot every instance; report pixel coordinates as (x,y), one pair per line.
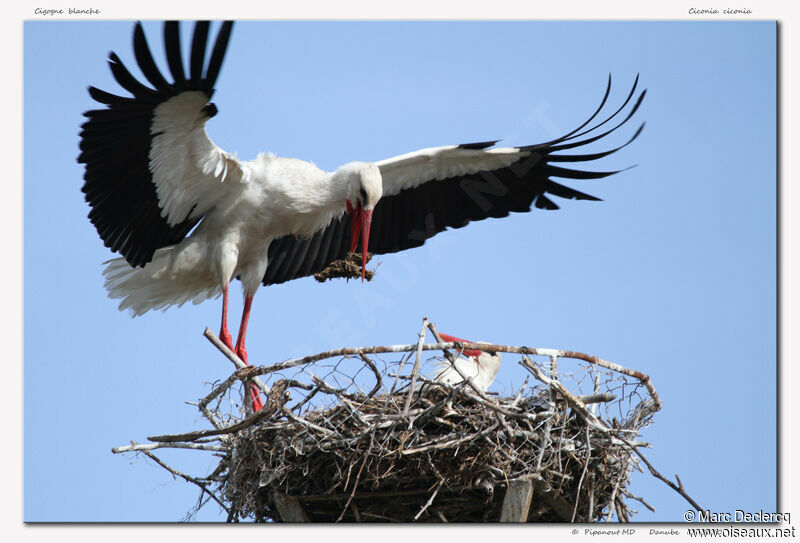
(469,352)
(362,220)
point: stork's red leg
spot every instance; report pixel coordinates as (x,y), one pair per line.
(240,350)
(242,353)
(224,334)
(256,396)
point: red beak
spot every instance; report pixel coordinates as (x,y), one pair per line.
(362,220)
(366,222)
(469,352)
(356,229)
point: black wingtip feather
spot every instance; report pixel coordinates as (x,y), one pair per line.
(104,97)
(592,156)
(543,202)
(144,59)
(217,55)
(610,117)
(127,81)
(172,48)
(198,55)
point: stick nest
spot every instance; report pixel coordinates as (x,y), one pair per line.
(378,464)
(359,435)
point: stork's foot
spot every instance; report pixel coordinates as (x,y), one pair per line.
(242,354)
(225,337)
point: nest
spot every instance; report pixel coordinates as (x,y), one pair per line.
(358,435)
(375,463)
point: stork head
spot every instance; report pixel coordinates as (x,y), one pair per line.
(486,363)
(474,353)
(481,357)
(366,189)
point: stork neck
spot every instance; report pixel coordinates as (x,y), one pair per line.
(346,182)
(339,188)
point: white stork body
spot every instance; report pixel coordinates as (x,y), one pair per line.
(482,370)
(262,200)
(188,217)
(479,366)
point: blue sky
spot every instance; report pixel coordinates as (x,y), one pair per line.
(673,274)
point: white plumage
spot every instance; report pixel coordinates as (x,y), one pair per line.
(438,163)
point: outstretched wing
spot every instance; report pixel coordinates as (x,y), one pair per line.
(428,191)
(151,170)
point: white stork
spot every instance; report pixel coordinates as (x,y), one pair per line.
(480,366)
(188,217)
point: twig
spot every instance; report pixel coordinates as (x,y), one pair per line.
(378,378)
(596,398)
(356,514)
(273,400)
(210,417)
(160,445)
(548,425)
(519,394)
(450,443)
(185,477)
(611,503)
(415,371)
(583,474)
(361,495)
(430,500)
(304,422)
(570,398)
(355,487)
(194,436)
(655,473)
(639,499)
(620,510)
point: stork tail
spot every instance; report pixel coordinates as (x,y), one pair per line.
(157,285)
